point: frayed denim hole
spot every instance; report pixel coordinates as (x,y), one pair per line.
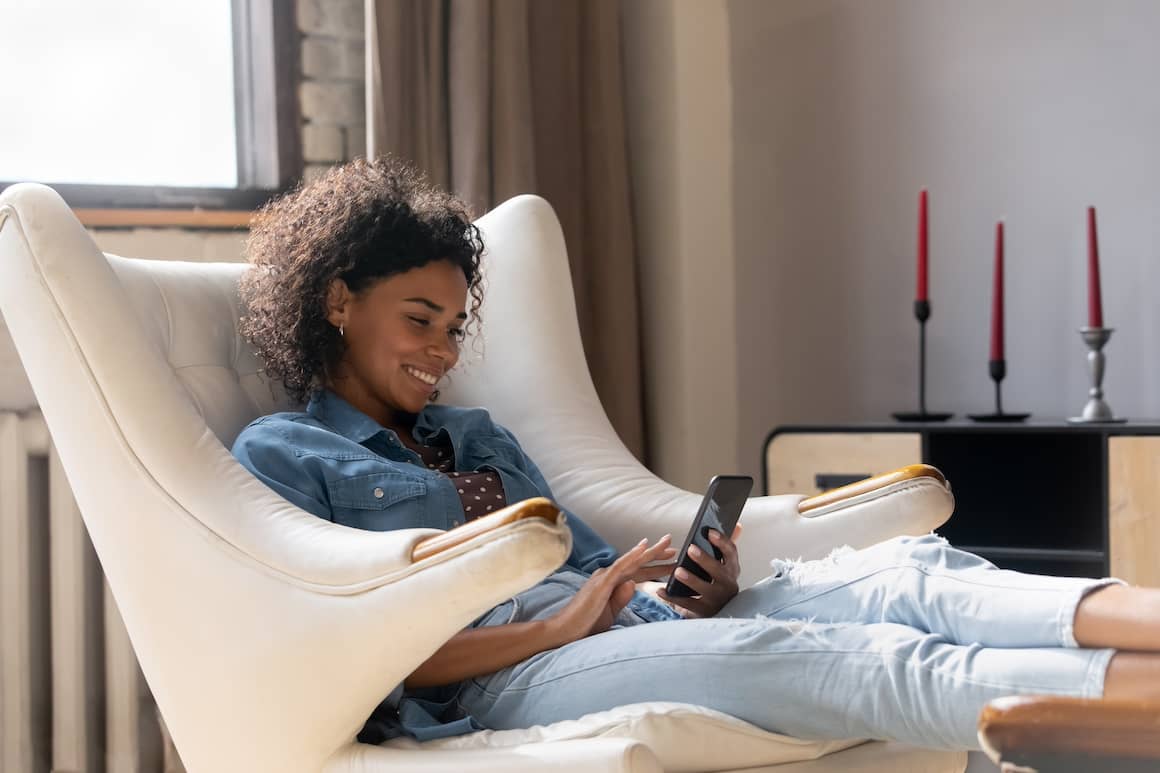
(837,553)
(800,626)
(805,570)
(778,568)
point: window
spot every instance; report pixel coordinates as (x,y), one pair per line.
(140,103)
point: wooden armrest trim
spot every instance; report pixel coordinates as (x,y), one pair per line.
(871,484)
(1017,725)
(538,507)
(164,218)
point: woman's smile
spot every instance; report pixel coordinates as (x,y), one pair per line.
(427,378)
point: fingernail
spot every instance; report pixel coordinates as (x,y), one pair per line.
(681,573)
(694,550)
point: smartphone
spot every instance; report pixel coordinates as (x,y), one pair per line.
(720,510)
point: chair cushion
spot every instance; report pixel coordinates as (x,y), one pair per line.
(683,736)
(189,311)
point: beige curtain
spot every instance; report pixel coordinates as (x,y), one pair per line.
(493,98)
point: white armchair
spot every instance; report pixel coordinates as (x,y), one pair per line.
(232,595)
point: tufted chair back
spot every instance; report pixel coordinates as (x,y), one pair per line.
(188,314)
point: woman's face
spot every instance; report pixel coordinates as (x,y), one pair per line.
(402,335)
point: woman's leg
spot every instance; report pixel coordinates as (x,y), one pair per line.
(1119,616)
(923,583)
(806,680)
(1133,676)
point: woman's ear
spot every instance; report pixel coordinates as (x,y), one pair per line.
(338,295)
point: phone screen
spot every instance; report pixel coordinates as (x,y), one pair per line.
(720,511)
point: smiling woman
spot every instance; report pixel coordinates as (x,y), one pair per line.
(317,299)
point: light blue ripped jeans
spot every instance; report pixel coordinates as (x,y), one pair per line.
(905,640)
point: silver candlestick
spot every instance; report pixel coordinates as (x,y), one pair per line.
(1096,410)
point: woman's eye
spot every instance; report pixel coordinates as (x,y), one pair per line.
(418,321)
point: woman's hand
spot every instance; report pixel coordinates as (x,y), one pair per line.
(665,553)
(594,607)
(715,593)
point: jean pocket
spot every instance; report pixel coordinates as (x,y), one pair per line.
(501,614)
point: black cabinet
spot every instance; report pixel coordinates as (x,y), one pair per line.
(1052,498)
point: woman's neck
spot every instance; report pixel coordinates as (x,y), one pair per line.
(401,422)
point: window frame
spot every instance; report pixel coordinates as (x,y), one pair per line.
(267,117)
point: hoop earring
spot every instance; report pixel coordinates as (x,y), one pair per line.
(340,333)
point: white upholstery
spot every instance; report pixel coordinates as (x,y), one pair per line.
(267,635)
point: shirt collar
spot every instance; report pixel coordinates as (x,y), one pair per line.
(348,421)
(333,411)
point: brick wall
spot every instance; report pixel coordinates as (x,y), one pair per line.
(332,92)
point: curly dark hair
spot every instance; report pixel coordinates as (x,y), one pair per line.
(359,222)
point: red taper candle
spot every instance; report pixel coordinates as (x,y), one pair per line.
(921,291)
(997,297)
(1095,303)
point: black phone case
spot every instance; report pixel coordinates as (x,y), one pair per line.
(720,510)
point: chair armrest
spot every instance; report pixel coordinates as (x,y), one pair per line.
(631,503)
(870,486)
(538,507)
(1063,734)
(913,500)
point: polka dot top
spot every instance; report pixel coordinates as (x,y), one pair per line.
(480,492)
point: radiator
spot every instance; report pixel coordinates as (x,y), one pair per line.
(72,697)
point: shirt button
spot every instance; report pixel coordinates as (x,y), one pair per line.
(378,493)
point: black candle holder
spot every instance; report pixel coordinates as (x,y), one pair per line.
(998,370)
(922,314)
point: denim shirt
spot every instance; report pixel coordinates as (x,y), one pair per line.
(338,463)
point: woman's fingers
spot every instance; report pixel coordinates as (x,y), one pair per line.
(653,572)
(727,547)
(714,568)
(696,584)
(630,556)
(688,606)
(661,549)
(632,562)
(730,560)
(649,569)
(721,586)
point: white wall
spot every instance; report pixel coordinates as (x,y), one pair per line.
(1031,110)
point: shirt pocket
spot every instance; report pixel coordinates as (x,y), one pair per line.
(362,500)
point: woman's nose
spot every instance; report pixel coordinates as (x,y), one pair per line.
(444,348)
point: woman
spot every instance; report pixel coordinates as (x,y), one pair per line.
(358,299)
